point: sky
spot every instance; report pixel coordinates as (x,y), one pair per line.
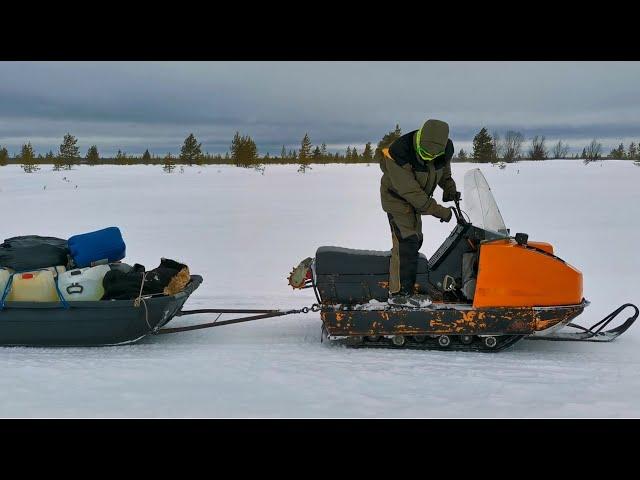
(133,106)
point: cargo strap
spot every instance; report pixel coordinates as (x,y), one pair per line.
(221,311)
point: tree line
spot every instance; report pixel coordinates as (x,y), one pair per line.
(510,148)
(243,152)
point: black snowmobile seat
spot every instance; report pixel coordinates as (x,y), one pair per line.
(349,261)
(350,276)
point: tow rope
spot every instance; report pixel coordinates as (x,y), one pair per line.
(221,311)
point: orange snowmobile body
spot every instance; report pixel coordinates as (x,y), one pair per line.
(529,275)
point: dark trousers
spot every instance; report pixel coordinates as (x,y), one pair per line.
(406,233)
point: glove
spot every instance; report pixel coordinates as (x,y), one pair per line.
(450,197)
(446,214)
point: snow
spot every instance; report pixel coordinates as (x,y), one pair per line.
(244,231)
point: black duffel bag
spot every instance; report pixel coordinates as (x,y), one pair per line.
(169,278)
(32,252)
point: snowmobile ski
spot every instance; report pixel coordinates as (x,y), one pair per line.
(596,332)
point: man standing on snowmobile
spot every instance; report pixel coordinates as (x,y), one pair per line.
(412,167)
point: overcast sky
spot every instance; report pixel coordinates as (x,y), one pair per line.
(155,105)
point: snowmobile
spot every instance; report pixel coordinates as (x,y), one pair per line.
(489,289)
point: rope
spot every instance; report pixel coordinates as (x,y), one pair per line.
(137,301)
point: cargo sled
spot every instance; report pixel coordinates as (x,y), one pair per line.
(89,323)
(489,289)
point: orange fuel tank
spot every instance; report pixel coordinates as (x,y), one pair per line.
(512,275)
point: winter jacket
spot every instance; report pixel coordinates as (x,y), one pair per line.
(408,182)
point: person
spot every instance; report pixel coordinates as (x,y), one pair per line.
(412,166)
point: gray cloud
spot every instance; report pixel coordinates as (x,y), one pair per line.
(138,105)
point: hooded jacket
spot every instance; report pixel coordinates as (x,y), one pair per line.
(408,182)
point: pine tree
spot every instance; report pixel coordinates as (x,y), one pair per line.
(146,157)
(50,158)
(483,147)
(168,163)
(27,159)
(244,151)
(462,155)
(305,149)
(367,153)
(304,156)
(348,154)
(617,153)
(283,153)
(4,157)
(121,156)
(633,151)
(58,163)
(93,157)
(236,148)
(386,141)
(191,151)
(316,154)
(354,155)
(69,152)
(323,150)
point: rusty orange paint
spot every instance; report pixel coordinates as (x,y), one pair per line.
(510,275)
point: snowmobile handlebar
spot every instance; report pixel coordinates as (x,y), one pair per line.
(458,213)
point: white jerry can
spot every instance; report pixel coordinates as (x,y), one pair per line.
(36,286)
(83,284)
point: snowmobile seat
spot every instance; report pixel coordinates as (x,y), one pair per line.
(351,276)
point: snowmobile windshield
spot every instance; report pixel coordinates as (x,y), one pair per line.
(480,205)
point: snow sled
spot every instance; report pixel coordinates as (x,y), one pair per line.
(89,323)
(489,289)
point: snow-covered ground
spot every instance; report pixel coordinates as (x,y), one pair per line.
(244,232)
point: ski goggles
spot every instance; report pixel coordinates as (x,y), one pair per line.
(422,152)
